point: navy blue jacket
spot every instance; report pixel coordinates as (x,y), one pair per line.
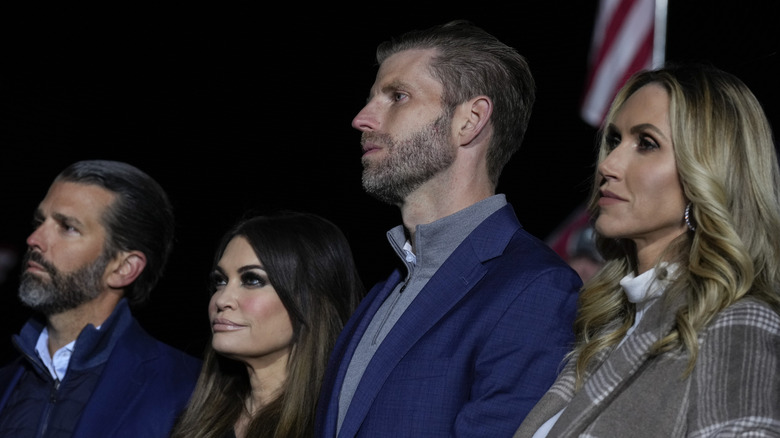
(121,382)
(472,354)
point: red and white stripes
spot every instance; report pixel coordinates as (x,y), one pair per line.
(626,34)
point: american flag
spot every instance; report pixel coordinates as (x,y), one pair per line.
(629,35)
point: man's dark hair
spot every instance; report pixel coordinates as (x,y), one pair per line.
(140,218)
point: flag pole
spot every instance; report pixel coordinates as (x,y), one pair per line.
(659,33)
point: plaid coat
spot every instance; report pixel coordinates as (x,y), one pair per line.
(734,388)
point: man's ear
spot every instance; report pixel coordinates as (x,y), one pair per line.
(474,116)
(127,266)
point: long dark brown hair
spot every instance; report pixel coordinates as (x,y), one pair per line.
(310,264)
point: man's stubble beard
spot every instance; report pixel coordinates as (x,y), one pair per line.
(61,292)
(408,163)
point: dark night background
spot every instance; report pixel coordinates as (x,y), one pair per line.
(234,107)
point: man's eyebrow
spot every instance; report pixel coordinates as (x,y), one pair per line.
(396,84)
(70,220)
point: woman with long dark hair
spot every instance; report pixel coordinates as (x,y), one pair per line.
(283,285)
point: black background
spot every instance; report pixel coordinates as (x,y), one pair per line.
(232,107)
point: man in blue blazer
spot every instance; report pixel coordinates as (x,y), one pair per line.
(466,336)
(102,237)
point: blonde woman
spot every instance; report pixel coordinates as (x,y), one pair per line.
(679,333)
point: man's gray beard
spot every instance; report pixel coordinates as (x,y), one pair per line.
(409,163)
(61,292)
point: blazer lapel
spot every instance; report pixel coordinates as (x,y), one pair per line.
(454,279)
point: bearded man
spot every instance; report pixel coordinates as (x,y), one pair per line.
(102,236)
(466,335)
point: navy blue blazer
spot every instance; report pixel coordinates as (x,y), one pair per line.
(478,347)
(144,386)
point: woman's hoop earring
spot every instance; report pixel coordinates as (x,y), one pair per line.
(689,218)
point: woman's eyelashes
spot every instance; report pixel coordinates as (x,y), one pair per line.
(253,279)
(217,280)
(613,140)
(643,142)
(613,137)
(249,277)
(646,142)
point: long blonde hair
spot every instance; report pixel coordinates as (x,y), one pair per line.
(727,164)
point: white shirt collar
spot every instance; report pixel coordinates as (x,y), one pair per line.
(58,364)
(410,257)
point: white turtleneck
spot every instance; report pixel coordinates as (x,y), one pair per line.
(642,291)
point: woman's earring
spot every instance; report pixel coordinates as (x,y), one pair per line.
(689,218)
